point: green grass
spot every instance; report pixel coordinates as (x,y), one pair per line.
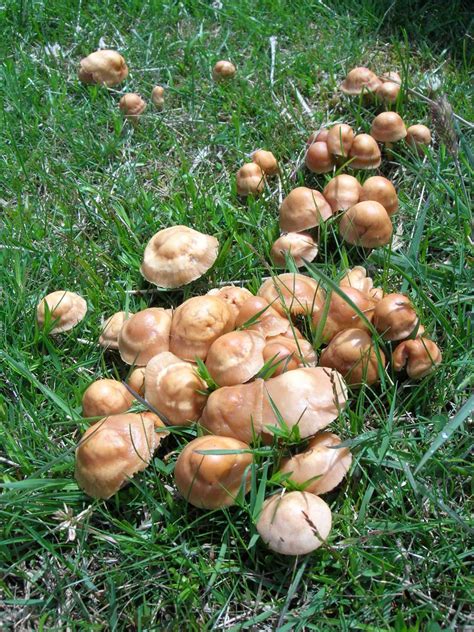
(82,192)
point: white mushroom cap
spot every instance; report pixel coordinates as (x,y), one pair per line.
(291,292)
(235,357)
(268,322)
(178,255)
(302,209)
(145,334)
(299,245)
(104,67)
(106,397)
(66,310)
(233,295)
(294,523)
(111,329)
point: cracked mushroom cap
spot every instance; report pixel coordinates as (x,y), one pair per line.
(366,224)
(318,159)
(296,294)
(66,310)
(302,209)
(419,356)
(106,397)
(174,388)
(358,279)
(352,353)
(250,179)
(322,466)
(365,153)
(341,315)
(196,324)
(177,255)
(389,87)
(104,67)
(223,70)
(111,329)
(418,136)
(299,245)
(114,449)
(381,190)
(266,161)
(388,127)
(264,319)
(342,192)
(233,295)
(288,354)
(395,317)
(340,139)
(235,411)
(136,380)
(235,357)
(145,334)
(132,105)
(158,97)
(294,523)
(360,80)
(310,398)
(209,481)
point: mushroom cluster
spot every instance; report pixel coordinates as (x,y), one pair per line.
(251,176)
(362,81)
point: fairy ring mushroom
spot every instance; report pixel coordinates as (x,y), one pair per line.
(145,334)
(61,309)
(342,192)
(395,317)
(250,179)
(418,137)
(136,381)
(366,224)
(132,106)
(381,190)
(234,295)
(340,139)
(291,293)
(106,397)
(389,87)
(288,354)
(301,247)
(266,161)
(419,356)
(257,314)
(360,80)
(365,153)
(302,209)
(318,158)
(108,338)
(358,278)
(388,127)
(235,357)
(103,67)
(158,97)
(223,70)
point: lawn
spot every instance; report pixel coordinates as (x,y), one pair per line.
(83,191)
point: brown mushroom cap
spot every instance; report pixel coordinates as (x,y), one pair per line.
(178,255)
(299,245)
(114,449)
(318,158)
(390,87)
(250,179)
(235,357)
(268,322)
(341,315)
(322,466)
(66,310)
(209,481)
(111,329)
(310,398)
(293,293)
(340,139)
(196,324)
(288,354)
(420,356)
(342,192)
(136,380)
(106,397)
(320,136)
(132,105)
(302,209)
(233,295)
(358,279)
(365,153)
(352,353)
(418,136)
(104,67)
(223,70)
(379,189)
(266,161)
(358,80)
(145,334)
(366,224)
(388,127)
(158,96)
(395,317)
(295,523)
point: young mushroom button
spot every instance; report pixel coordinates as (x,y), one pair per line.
(340,139)
(266,161)
(381,190)
(388,127)
(132,106)
(223,70)
(250,180)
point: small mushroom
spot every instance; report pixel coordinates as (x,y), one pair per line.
(104,67)
(301,246)
(106,397)
(341,315)
(342,192)
(389,87)
(322,466)
(366,224)
(266,161)
(388,127)
(158,97)
(302,209)
(250,179)
(111,329)
(418,137)
(261,317)
(296,294)
(288,354)
(235,357)
(360,80)
(209,481)
(132,105)
(294,523)
(233,295)
(145,334)
(136,380)
(358,279)
(223,70)
(63,309)
(395,318)
(379,189)
(420,356)
(320,136)
(365,153)
(340,139)
(177,256)
(318,159)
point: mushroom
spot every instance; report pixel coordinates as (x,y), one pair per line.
(145,334)
(301,246)
(136,380)
(366,224)
(233,295)
(320,136)
(341,315)
(318,159)
(342,192)
(209,481)
(365,153)
(104,67)
(106,397)
(358,279)
(352,353)
(322,466)
(418,137)
(395,317)
(390,87)
(177,256)
(302,209)
(174,388)
(196,324)
(235,357)
(261,317)
(114,449)
(288,354)
(388,127)
(340,139)
(296,294)
(111,329)
(223,70)
(294,523)
(158,97)
(266,161)
(132,105)
(360,80)
(379,189)
(419,356)
(250,179)
(61,309)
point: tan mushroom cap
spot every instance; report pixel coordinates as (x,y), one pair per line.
(288,354)
(264,319)
(358,279)
(266,161)
(366,224)
(418,136)
(319,136)
(302,209)
(342,192)
(340,139)
(395,317)
(132,105)
(145,334)
(158,97)
(310,398)
(178,255)
(358,80)
(223,69)
(210,481)
(341,315)
(66,310)
(104,67)
(322,466)
(233,295)
(114,449)
(293,293)
(390,87)
(295,523)
(235,411)
(365,153)
(111,329)
(388,127)
(106,397)
(352,353)
(381,190)
(299,245)
(196,324)
(318,158)
(174,388)
(419,356)
(250,179)
(136,380)
(235,357)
